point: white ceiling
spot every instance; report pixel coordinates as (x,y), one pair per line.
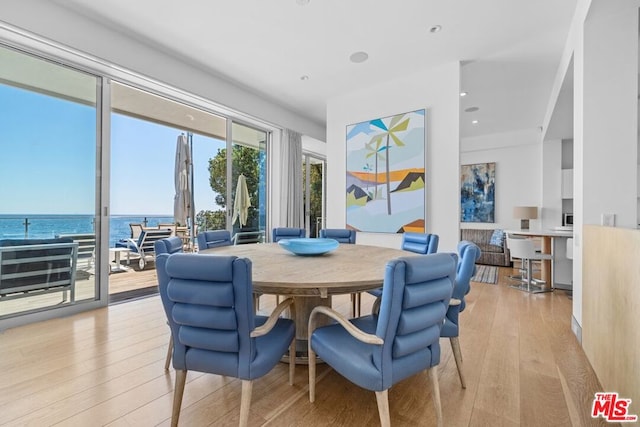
(509,49)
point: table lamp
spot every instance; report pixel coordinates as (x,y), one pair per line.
(524,214)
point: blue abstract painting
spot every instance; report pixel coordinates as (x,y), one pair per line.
(478,192)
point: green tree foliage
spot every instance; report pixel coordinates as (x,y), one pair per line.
(211,220)
(315,193)
(246,161)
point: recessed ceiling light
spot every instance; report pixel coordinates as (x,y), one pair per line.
(463,94)
(475,122)
(302,2)
(358,57)
(435,29)
(304,78)
(190,117)
(471,109)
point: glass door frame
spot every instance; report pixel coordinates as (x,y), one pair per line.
(39,52)
(306,157)
(230,190)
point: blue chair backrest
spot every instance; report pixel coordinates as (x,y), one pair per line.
(420,243)
(342,235)
(415,297)
(209,304)
(214,239)
(280,233)
(468,254)
(171,245)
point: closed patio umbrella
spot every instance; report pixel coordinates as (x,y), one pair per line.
(182,180)
(241,202)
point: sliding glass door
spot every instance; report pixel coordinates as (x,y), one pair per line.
(55,142)
(168,171)
(49,223)
(166,154)
(313,169)
(248,185)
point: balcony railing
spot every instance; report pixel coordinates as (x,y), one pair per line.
(44,226)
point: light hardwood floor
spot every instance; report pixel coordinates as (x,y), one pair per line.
(523,365)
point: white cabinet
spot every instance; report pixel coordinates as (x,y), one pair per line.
(567,183)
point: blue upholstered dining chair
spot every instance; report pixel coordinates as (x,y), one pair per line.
(280,233)
(347,236)
(171,245)
(377,351)
(420,243)
(213,239)
(468,254)
(342,235)
(209,305)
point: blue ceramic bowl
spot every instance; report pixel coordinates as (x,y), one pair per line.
(309,246)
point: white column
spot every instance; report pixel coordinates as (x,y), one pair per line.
(605,123)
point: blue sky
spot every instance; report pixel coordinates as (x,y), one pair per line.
(142,163)
(48,156)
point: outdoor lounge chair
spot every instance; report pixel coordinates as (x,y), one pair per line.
(171,226)
(136,229)
(143,246)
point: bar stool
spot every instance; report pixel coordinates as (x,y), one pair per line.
(525,250)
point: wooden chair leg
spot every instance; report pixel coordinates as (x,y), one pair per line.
(256,303)
(167,362)
(435,392)
(292,360)
(245,402)
(312,373)
(457,355)
(382,397)
(178,391)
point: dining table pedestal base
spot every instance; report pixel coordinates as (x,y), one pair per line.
(303,307)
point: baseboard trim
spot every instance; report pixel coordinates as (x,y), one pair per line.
(577,329)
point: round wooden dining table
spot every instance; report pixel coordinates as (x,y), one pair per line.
(311,280)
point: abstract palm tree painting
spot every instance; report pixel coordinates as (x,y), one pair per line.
(385,174)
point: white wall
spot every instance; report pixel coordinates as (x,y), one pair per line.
(57,23)
(518,158)
(314,146)
(551,213)
(436,90)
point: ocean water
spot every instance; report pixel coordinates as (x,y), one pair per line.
(48,226)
